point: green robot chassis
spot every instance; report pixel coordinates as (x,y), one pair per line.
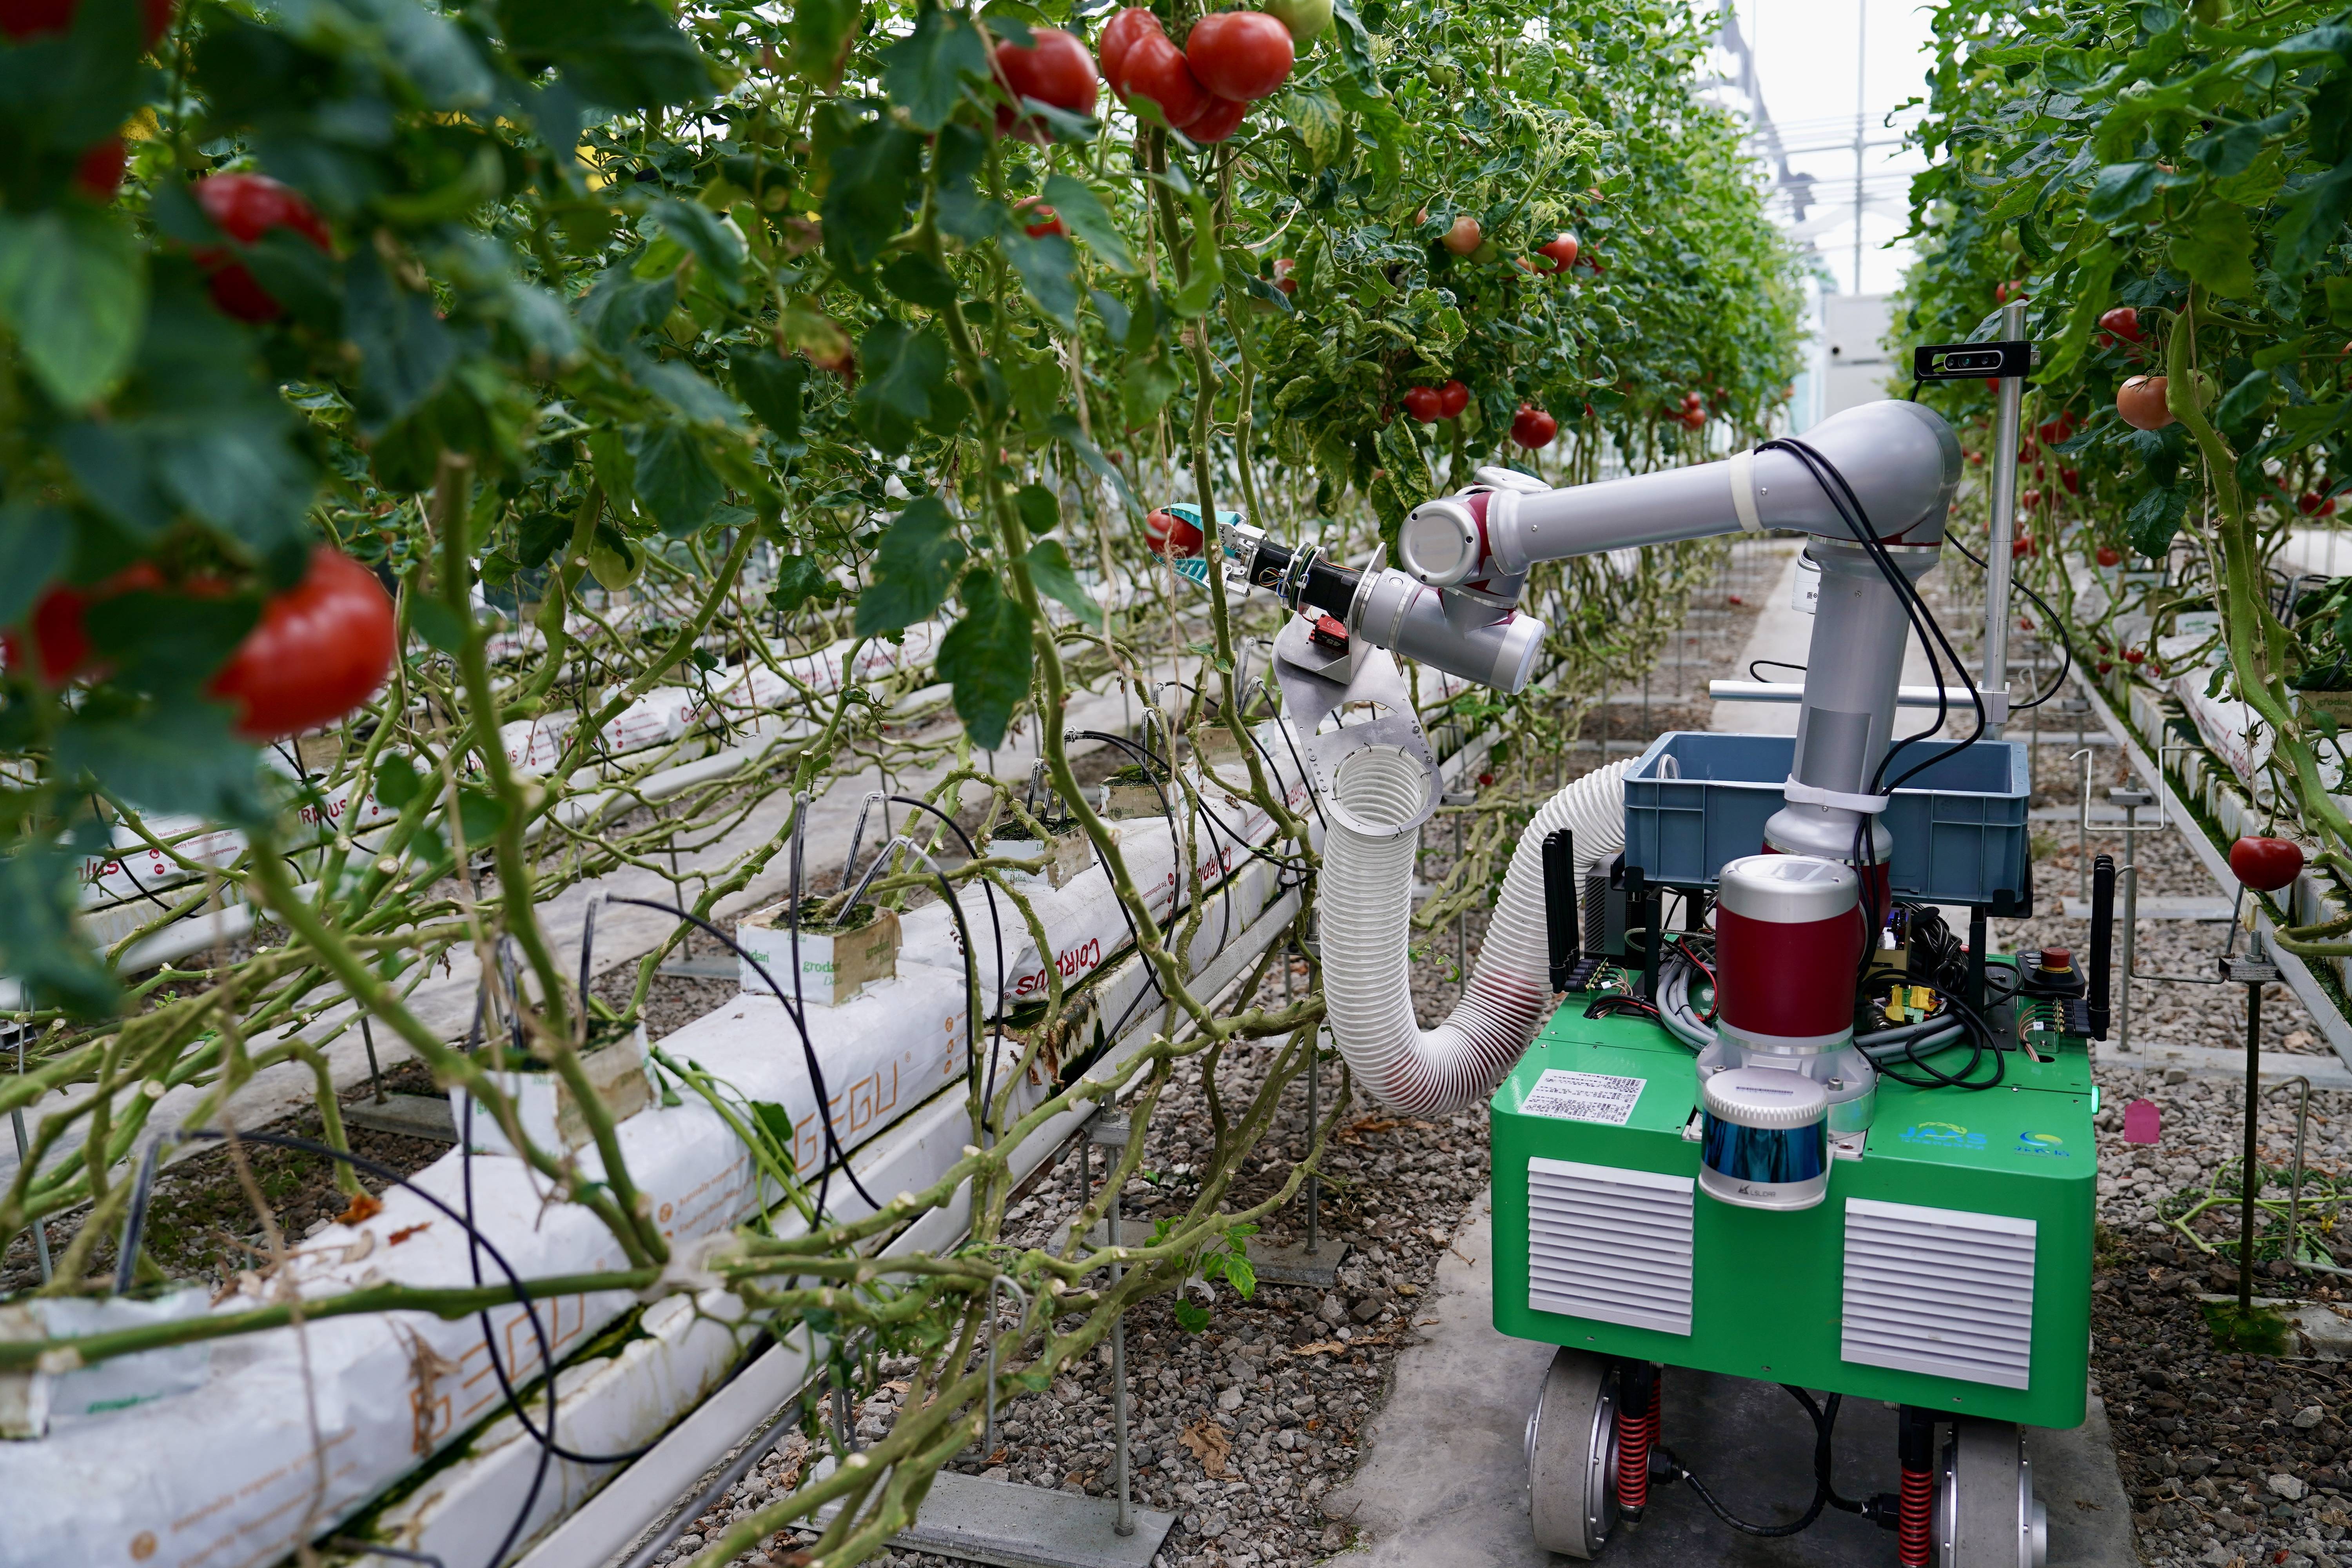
(1949,1269)
(1983,1309)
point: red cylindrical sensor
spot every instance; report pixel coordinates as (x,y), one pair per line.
(1788,944)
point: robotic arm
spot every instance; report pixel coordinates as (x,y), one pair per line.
(1455,604)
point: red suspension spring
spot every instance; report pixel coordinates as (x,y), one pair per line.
(1636,1435)
(1912,1529)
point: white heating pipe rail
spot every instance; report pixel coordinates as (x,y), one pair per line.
(1366,905)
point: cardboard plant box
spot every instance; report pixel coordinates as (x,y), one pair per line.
(1069,854)
(2336,705)
(1129,794)
(835,966)
(618,1070)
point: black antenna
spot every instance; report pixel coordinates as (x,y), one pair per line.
(2103,938)
(1559,904)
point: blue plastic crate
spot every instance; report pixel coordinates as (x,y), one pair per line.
(1697,799)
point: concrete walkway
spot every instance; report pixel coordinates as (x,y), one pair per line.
(1444,1481)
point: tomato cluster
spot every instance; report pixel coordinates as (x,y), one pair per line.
(1230,60)
(320,650)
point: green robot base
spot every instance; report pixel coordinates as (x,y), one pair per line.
(1947,1269)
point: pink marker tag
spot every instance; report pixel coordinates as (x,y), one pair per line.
(2142,1124)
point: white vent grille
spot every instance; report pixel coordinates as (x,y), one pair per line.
(1611,1245)
(1941,1292)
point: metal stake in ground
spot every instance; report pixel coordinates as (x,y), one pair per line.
(2253,971)
(41,1226)
(2131,799)
(1111,1133)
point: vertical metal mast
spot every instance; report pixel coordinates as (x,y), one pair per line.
(1997,560)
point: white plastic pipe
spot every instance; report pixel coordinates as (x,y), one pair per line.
(1366,910)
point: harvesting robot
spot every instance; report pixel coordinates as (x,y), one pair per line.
(1757,1110)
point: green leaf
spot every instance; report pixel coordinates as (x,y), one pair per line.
(918,281)
(622,54)
(33,544)
(397,782)
(676,482)
(40,945)
(1066,430)
(2155,518)
(1191,1318)
(2310,221)
(1149,382)
(986,656)
(801,578)
(1077,205)
(905,381)
(710,241)
(404,347)
(73,288)
(924,73)
(1047,265)
(771,387)
(480,814)
(913,569)
(2216,248)
(865,200)
(1319,120)
(2120,191)
(1355,48)
(775,1121)
(437,624)
(821,33)
(963,212)
(1049,568)
(176,756)
(1041,512)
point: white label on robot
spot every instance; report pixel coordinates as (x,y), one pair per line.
(1583,1097)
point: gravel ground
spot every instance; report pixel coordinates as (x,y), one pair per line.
(1241,1429)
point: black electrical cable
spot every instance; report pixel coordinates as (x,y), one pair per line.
(1824,1425)
(808,1051)
(1849,511)
(1775,663)
(2065,646)
(996,930)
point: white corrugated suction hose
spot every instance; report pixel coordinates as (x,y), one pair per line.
(1366,905)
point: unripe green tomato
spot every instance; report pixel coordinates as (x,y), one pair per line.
(1305,18)
(615,568)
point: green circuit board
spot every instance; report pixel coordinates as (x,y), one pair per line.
(1950,1266)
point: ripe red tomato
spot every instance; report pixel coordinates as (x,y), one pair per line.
(1169,534)
(1055,70)
(1559,250)
(2030,499)
(22,19)
(1973,457)
(1219,121)
(1423,403)
(2134,656)
(2023,545)
(1284,265)
(2123,321)
(2072,480)
(321,649)
(1037,219)
(2312,504)
(1692,419)
(2266,865)
(1119,35)
(1532,428)
(2104,667)
(61,642)
(99,173)
(245,207)
(2109,555)
(1452,399)
(1154,67)
(1241,55)
(2141,403)
(1486,781)
(1463,236)
(2003,293)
